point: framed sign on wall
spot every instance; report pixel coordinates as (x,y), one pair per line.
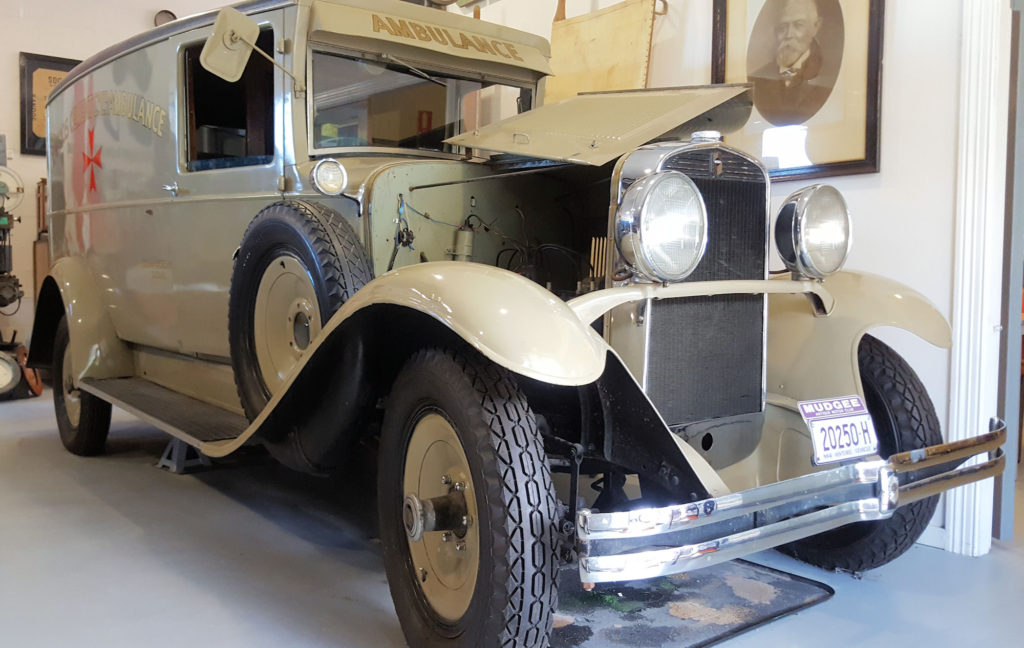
(40,74)
(815,71)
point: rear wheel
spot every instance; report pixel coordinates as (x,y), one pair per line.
(467,510)
(904,419)
(83,420)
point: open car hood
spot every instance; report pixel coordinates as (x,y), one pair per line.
(598,127)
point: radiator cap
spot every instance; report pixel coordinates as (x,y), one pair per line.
(701,137)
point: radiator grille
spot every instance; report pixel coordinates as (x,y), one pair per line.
(705,356)
(714,163)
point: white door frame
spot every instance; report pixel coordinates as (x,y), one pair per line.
(977,268)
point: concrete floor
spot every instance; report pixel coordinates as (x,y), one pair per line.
(113,552)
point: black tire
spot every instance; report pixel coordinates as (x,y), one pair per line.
(89,436)
(327,248)
(904,419)
(515,592)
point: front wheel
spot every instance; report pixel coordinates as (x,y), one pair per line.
(904,419)
(467,509)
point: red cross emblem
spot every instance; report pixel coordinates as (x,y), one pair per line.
(92,160)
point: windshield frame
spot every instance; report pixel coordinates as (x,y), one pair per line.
(434,69)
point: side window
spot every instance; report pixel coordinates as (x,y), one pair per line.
(230,124)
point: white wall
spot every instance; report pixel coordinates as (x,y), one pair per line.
(904,216)
(69,29)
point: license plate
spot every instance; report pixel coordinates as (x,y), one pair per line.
(841,428)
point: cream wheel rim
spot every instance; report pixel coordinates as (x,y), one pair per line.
(445,562)
(286,319)
(72,397)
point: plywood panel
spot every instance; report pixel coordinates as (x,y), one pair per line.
(605,50)
(40,262)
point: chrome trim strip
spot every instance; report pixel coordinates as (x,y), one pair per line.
(151,202)
(648,315)
(341,152)
(801,507)
(203,357)
(156,35)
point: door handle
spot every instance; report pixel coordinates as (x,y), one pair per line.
(173,188)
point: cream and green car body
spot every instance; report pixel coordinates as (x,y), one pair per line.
(145,235)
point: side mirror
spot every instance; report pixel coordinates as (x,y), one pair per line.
(227,50)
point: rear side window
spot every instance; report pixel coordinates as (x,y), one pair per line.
(230,124)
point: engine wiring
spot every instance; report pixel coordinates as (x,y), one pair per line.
(402,204)
(403,234)
(532,260)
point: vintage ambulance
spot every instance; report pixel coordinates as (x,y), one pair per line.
(306,223)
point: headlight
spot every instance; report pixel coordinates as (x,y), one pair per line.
(813,231)
(329,177)
(662,226)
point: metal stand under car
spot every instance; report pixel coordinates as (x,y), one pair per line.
(180,458)
(16,381)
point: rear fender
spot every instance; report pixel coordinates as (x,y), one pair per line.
(814,355)
(96,351)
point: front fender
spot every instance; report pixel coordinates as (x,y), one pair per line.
(508,318)
(96,351)
(808,353)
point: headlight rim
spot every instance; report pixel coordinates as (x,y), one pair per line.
(316,183)
(801,262)
(629,218)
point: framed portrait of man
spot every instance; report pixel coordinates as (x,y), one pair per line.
(814,70)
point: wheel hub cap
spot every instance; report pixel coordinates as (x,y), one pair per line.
(286,319)
(412,517)
(438,513)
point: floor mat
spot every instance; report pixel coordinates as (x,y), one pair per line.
(690,610)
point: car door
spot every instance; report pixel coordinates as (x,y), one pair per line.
(231,153)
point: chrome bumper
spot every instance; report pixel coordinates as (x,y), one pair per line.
(639,544)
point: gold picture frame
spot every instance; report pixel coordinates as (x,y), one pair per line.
(39,74)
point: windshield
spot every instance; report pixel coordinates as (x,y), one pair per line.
(393,104)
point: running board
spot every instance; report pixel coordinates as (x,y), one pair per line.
(193,421)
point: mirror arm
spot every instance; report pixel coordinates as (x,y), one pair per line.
(300,87)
